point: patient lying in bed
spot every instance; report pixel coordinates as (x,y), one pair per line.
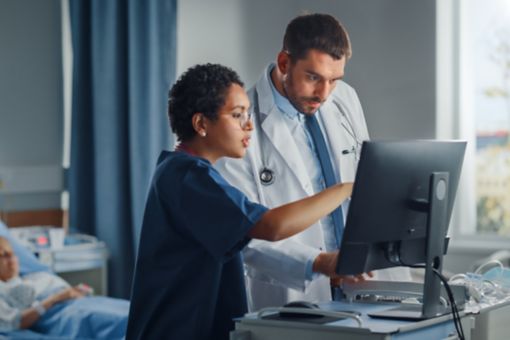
(46,304)
(24,300)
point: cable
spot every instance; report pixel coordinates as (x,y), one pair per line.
(486,264)
(485,287)
(455,311)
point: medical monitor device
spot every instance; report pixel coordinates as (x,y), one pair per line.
(400,210)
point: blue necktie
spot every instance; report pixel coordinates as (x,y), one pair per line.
(327,170)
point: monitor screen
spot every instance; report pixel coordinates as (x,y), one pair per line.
(387,220)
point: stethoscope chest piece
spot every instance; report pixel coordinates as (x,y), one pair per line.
(266,176)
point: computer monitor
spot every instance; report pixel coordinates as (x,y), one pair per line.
(400,210)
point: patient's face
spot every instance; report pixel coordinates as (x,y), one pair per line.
(9,266)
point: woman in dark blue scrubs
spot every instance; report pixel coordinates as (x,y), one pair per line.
(188,280)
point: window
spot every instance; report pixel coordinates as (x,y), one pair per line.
(489,38)
(478,52)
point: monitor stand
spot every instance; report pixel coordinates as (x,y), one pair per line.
(436,206)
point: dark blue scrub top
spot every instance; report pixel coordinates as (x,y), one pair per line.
(189,280)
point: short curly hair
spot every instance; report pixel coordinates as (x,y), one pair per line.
(202,88)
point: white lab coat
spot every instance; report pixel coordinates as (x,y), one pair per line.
(276,270)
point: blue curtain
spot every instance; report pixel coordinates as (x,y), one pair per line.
(124,61)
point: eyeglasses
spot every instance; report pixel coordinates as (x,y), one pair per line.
(243,118)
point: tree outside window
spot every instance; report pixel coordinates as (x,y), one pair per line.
(489,33)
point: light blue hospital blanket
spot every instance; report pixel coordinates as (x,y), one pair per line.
(86,318)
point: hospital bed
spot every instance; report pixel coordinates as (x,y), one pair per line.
(86,318)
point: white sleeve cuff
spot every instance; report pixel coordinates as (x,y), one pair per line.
(309,274)
(37,305)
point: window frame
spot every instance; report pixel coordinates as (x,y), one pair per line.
(455,120)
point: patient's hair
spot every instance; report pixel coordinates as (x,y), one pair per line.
(316,31)
(203,89)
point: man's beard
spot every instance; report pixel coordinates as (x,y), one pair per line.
(299,103)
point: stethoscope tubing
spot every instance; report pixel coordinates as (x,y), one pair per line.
(266,175)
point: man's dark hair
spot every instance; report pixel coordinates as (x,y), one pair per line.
(202,88)
(316,31)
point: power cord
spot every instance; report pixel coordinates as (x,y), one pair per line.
(455,311)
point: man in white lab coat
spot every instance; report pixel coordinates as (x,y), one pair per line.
(283,162)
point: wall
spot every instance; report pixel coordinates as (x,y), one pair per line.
(393,64)
(393,69)
(31,105)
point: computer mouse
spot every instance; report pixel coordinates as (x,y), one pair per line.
(302,304)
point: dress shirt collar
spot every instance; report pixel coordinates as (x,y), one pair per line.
(282,102)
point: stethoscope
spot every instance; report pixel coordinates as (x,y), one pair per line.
(356,148)
(267,175)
